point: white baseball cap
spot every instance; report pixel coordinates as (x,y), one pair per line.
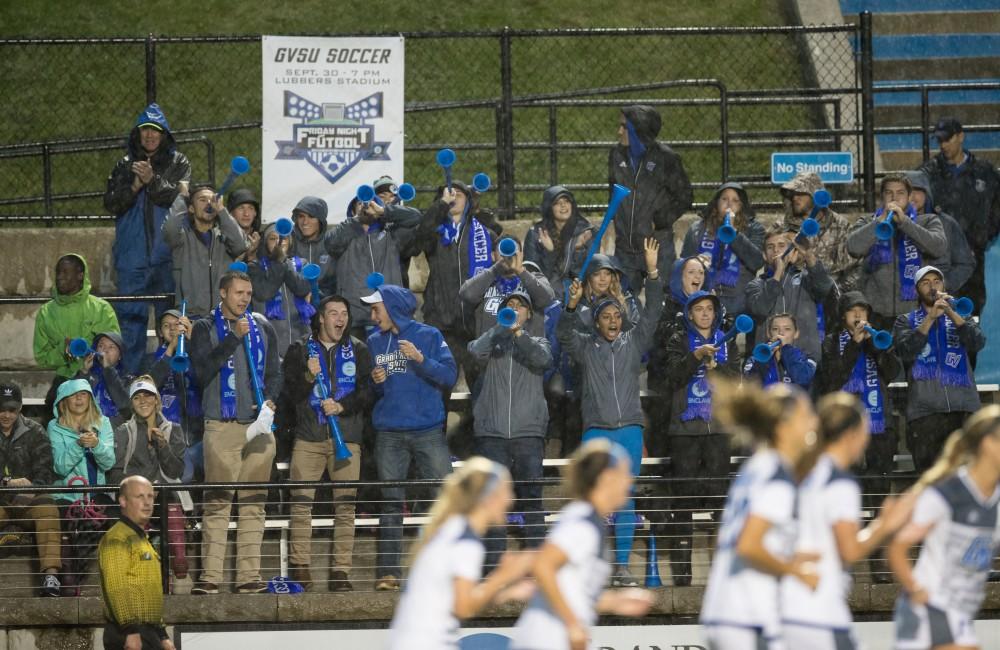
(138,386)
(924,270)
(372,299)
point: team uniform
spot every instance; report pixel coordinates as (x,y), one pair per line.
(821,619)
(953,564)
(741,606)
(580,534)
(425,618)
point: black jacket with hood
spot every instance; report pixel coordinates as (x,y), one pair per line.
(661,190)
(565,260)
(958,263)
(449,265)
(26,453)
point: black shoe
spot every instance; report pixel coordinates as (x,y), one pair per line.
(51,586)
(204,588)
(255,587)
(339,581)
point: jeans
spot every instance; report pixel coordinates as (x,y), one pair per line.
(133,317)
(523,457)
(393,452)
(630,438)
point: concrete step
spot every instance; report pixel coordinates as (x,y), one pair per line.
(911,159)
(977,141)
(936,46)
(959,22)
(941,68)
(915,6)
(968,114)
(939,96)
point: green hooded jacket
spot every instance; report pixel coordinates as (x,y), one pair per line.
(68,459)
(79,315)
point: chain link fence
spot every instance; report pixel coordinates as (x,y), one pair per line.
(530,108)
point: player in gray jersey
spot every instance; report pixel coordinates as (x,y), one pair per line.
(956,519)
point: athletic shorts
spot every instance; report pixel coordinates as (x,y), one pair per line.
(924,626)
(727,637)
(817,638)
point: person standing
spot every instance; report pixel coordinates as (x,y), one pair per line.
(309,241)
(130,574)
(959,262)
(239,445)
(412,368)
(141,188)
(279,290)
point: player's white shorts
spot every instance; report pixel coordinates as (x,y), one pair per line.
(817,638)
(919,627)
(727,637)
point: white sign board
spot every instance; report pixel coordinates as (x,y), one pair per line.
(332,119)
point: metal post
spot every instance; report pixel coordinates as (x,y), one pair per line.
(867,111)
(150,69)
(837,142)
(553,147)
(724,127)
(47,179)
(164,542)
(508,198)
(925,122)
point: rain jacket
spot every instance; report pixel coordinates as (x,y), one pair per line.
(958,263)
(410,399)
(561,263)
(661,190)
(69,460)
(313,251)
(139,243)
(27,453)
(79,315)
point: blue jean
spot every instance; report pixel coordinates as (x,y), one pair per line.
(393,452)
(133,317)
(194,463)
(630,438)
(523,457)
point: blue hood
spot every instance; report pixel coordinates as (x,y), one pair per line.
(695,297)
(151,114)
(400,303)
(676,277)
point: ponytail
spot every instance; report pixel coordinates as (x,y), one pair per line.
(462,491)
(962,445)
(587,465)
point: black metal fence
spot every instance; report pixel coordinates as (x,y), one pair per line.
(530,107)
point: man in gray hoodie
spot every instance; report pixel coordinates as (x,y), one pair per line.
(959,262)
(511,415)
(308,241)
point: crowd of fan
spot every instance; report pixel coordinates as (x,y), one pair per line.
(567,368)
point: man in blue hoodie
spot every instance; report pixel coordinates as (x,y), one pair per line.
(141,189)
(412,367)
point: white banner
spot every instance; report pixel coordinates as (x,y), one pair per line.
(333,119)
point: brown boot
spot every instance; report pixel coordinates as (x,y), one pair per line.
(300,574)
(339,581)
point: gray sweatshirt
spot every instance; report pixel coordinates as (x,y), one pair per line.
(485,292)
(136,456)
(611,369)
(511,403)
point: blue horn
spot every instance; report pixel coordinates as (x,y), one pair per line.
(618,194)
(881,338)
(726,233)
(375,280)
(240,267)
(180,361)
(80,348)
(237,168)
(406,192)
(762,352)
(481,182)
(446,158)
(743,325)
(885,229)
(311,273)
(284,226)
(507,247)
(506,317)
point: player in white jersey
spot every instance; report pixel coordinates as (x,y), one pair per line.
(956,519)
(829,506)
(757,534)
(572,566)
(445,582)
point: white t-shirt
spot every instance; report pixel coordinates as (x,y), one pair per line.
(737,594)
(425,616)
(580,534)
(828,495)
(957,553)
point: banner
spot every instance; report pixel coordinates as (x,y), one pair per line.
(332,119)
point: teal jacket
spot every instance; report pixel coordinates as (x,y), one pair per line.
(68,456)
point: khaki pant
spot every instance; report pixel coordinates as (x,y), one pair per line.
(230,458)
(309,459)
(45,517)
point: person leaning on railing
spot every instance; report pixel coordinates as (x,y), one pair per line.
(26,459)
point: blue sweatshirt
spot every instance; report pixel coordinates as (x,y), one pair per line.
(410,399)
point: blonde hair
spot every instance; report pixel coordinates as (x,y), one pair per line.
(462,491)
(159,403)
(91,418)
(751,413)
(962,445)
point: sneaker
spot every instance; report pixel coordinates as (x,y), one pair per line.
(255,587)
(204,588)
(51,586)
(300,573)
(387,583)
(622,578)
(339,581)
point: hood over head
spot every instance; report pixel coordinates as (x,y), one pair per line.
(70,387)
(114,337)
(314,207)
(549,197)
(677,276)
(241,196)
(400,303)
(853,299)
(702,295)
(645,121)
(921,181)
(151,115)
(601,261)
(748,211)
(85,287)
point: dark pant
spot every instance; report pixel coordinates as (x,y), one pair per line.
(133,317)
(462,440)
(523,457)
(925,436)
(879,465)
(703,461)
(393,452)
(115,640)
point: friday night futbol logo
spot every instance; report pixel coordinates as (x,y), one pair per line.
(332,137)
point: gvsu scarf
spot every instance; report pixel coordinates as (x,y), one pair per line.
(480,242)
(943,358)
(227,375)
(345,374)
(907,256)
(274,309)
(864,382)
(699,393)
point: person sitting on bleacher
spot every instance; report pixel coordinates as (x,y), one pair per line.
(610,361)
(279,290)
(510,413)
(26,459)
(699,449)
(180,395)
(789,363)
(934,344)
(345,364)
(107,376)
(151,446)
(72,313)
